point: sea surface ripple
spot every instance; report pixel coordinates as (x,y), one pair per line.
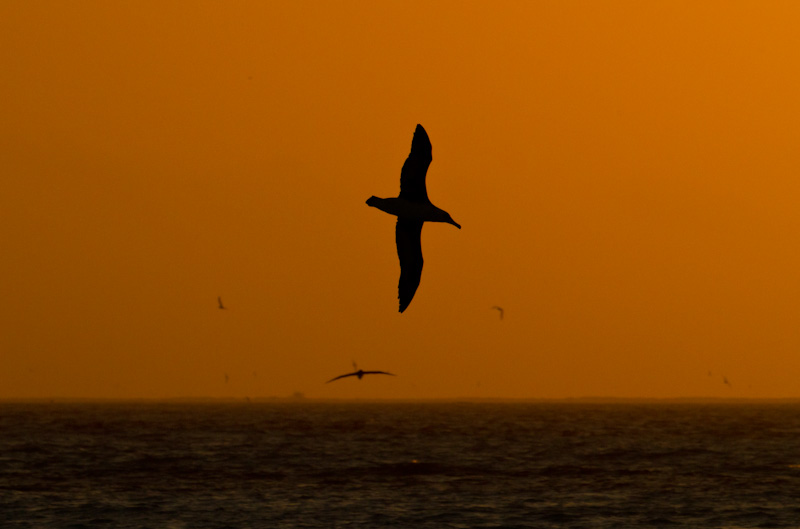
(415,465)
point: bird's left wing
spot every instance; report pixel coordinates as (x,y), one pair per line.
(408,235)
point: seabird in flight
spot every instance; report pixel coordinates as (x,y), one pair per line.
(219,300)
(360,373)
(412,208)
(500,309)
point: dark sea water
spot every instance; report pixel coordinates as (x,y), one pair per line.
(415,465)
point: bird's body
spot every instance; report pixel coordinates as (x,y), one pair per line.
(412,208)
(360,373)
(408,209)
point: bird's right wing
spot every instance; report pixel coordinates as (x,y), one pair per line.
(340,376)
(412,177)
(408,235)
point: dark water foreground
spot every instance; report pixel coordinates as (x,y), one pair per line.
(420,465)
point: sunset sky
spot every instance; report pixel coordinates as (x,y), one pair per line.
(626,175)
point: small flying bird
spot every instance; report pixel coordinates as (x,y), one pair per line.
(499,309)
(219,300)
(413,208)
(726,382)
(360,373)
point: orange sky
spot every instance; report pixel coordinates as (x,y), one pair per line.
(625,174)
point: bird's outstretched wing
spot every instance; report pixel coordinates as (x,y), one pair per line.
(408,235)
(379,373)
(412,177)
(342,376)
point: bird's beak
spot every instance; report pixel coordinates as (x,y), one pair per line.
(456,224)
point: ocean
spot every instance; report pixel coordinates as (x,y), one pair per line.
(405,465)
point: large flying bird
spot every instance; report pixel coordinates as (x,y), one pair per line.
(360,373)
(412,208)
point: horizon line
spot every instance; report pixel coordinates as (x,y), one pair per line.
(301,398)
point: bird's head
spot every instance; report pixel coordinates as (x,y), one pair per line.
(434,214)
(450,220)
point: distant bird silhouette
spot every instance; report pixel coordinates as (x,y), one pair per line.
(500,309)
(226,378)
(219,300)
(726,382)
(412,208)
(360,373)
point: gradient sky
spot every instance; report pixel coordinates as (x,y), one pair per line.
(626,175)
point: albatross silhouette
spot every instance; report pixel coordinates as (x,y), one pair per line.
(412,208)
(360,373)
